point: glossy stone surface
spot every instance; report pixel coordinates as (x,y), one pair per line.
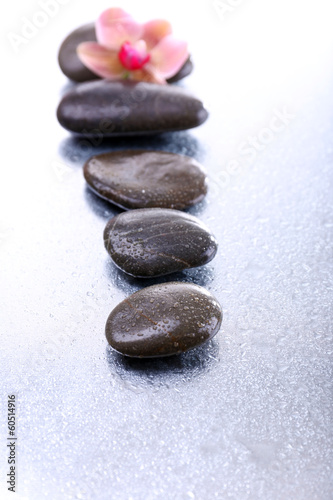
(74,69)
(164,319)
(154,241)
(105,108)
(145,179)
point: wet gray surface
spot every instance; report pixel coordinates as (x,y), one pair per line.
(247,416)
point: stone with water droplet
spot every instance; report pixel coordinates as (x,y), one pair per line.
(151,337)
(105,108)
(169,242)
(144,179)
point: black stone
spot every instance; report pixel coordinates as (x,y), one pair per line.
(74,69)
(114,108)
(163,320)
(68,59)
(152,242)
(145,179)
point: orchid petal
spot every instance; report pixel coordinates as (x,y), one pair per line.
(147,74)
(168,56)
(154,31)
(102,61)
(141,47)
(115,26)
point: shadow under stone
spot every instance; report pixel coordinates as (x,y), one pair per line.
(78,149)
(106,210)
(201,276)
(166,371)
(102,208)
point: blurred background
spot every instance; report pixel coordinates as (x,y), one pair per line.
(248,416)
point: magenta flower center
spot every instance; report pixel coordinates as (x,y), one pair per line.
(131,58)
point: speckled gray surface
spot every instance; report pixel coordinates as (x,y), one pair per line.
(248,416)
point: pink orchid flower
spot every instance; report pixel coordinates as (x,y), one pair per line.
(127,49)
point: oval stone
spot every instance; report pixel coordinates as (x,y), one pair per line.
(145,179)
(116,108)
(155,241)
(74,69)
(163,319)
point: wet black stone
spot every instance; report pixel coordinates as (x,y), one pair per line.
(151,242)
(162,320)
(114,108)
(74,69)
(145,179)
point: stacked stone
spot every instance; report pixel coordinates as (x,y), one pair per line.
(154,237)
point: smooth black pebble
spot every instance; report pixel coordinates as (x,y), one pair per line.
(151,242)
(145,179)
(74,69)
(115,108)
(163,319)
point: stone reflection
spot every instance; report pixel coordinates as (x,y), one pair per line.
(78,149)
(141,374)
(99,206)
(202,276)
